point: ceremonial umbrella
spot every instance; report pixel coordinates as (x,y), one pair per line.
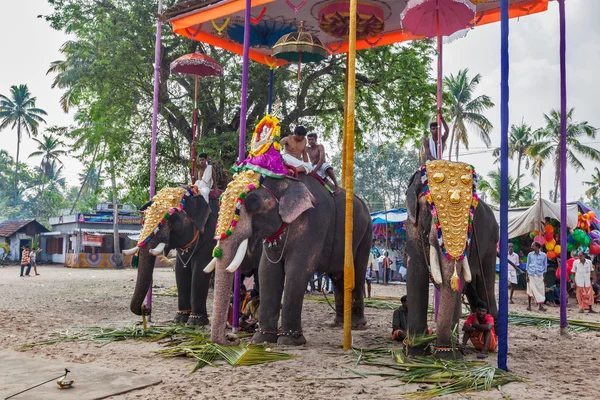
(198,65)
(437,18)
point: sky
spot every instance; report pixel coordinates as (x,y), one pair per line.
(534,75)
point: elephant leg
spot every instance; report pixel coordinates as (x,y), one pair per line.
(200,282)
(296,279)
(270,300)
(337,280)
(417,289)
(183,278)
(361,259)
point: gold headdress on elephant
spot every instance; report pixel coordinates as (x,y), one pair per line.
(451,191)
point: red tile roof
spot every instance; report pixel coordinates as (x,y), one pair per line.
(8,228)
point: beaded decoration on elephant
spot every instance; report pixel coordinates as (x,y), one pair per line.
(163,202)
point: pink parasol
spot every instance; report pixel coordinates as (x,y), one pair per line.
(198,65)
(437,18)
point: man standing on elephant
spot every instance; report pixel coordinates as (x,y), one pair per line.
(206,177)
(295,150)
(479,327)
(537,263)
(430,145)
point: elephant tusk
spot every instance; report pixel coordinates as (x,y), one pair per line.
(211,266)
(434,262)
(129,252)
(239,256)
(467,270)
(158,249)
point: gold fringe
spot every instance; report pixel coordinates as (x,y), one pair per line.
(454,280)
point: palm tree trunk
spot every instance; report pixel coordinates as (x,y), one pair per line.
(519,173)
(117,249)
(451,142)
(457,143)
(87,176)
(17,163)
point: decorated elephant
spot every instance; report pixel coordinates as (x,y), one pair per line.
(450,230)
(301,227)
(179,218)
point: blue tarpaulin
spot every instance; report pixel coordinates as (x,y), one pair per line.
(390,216)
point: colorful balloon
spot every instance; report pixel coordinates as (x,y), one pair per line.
(549,228)
(557,249)
(549,246)
(549,236)
(594,248)
(540,239)
(551,255)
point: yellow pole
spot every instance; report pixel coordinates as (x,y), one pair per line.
(343,183)
(349,175)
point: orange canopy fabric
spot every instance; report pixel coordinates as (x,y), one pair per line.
(210,24)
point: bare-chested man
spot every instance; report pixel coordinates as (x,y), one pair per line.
(430,145)
(295,150)
(316,154)
(207,180)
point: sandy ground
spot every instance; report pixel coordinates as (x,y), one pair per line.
(61,298)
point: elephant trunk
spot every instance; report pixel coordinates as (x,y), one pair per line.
(144,279)
(449,299)
(223,289)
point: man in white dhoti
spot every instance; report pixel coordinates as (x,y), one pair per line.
(512,272)
(430,144)
(537,264)
(295,150)
(317,156)
(206,177)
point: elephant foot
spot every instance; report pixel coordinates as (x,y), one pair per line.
(181,317)
(291,338)
(359,323)
(415,351)
(262,336)
(197,320)
(446,353)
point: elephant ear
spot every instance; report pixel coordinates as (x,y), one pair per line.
(295,200)
(199,211)
(412,196)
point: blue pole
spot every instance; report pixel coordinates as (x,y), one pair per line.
(563,169)
(270,106)
(503,284)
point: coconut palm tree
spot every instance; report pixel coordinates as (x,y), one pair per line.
(547,144)
(48,148)
(594,184)
(516,198)
(465,110)
(19,111)
(520,138)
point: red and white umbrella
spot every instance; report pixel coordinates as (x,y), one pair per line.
(199,65)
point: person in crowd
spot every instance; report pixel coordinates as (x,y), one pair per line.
(430,144)
(295,150)
(33,259)
(513,264)
(582,269)
(553,293)
(376,254)
(249,318)
(392,254)
(479,328)
(537,264)
(400,320)
(387,265)
(244,298)
(369,275)
(25,261)
(206,178)
(317,156)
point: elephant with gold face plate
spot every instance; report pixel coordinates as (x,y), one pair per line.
(451,240)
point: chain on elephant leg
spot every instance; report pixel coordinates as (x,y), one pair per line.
(291,337)
(265,336)
(182,316)
(197,320)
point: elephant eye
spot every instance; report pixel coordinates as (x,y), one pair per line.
(252,203)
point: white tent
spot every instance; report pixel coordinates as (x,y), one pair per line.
(524,220)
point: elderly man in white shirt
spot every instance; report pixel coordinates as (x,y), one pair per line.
(512,272)
(582,269)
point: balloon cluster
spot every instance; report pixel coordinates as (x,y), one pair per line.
(584,221)
(546,238)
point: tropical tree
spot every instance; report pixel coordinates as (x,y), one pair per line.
(49,149)
(520,138)
(594,184)
(516,198)
(19,111)
(464,110)
(547,144)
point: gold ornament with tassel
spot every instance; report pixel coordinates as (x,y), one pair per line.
(454,282)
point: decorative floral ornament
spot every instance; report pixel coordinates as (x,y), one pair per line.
(452,198)
(221,28)
(164,204)
(267,132)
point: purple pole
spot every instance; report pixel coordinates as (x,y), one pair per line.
(503,284)
(563,168)
(155,122)
(242,150)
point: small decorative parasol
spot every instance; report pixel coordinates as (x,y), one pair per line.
(198,65)
(265,33)
(334,19)
(300,47)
